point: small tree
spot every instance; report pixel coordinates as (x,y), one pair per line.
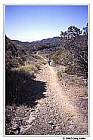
(70,33)
(73,31)
(62,34)
(85,30)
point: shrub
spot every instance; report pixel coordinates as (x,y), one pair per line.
(60,74)
(63,57)
(27,68)
(70,69)
(37,65)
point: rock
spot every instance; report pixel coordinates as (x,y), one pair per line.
(53,126)
(11,133)
(56,103)
(72,127)
(57,127)
(53,101)
(57,114)
(31,118)
(50,122)
(32,110)
(14,126)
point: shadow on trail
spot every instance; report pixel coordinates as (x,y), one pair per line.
(22,89)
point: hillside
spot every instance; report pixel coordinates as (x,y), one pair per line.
(14,55)
(74,56)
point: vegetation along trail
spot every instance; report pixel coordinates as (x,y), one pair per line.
(47,85)
(56,113)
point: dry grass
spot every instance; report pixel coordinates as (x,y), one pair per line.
(29,68)
(40,59)
(60,74)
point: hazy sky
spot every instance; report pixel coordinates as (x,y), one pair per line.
(28,23)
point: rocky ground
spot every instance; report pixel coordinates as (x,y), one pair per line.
(62,111)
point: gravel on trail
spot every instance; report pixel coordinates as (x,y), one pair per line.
(55,114)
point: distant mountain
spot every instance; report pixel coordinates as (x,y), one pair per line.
(49,41)
(39,45)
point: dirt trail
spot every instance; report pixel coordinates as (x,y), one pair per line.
(56,114)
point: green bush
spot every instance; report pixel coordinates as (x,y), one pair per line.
(63,57)
(70,69)
(60,74)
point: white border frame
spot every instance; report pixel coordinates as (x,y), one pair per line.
(89,60)
(4,81)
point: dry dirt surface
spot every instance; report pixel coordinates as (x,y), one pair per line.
(63,110)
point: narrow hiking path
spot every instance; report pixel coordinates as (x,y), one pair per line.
(57,113)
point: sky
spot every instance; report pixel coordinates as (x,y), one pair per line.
(30,23)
